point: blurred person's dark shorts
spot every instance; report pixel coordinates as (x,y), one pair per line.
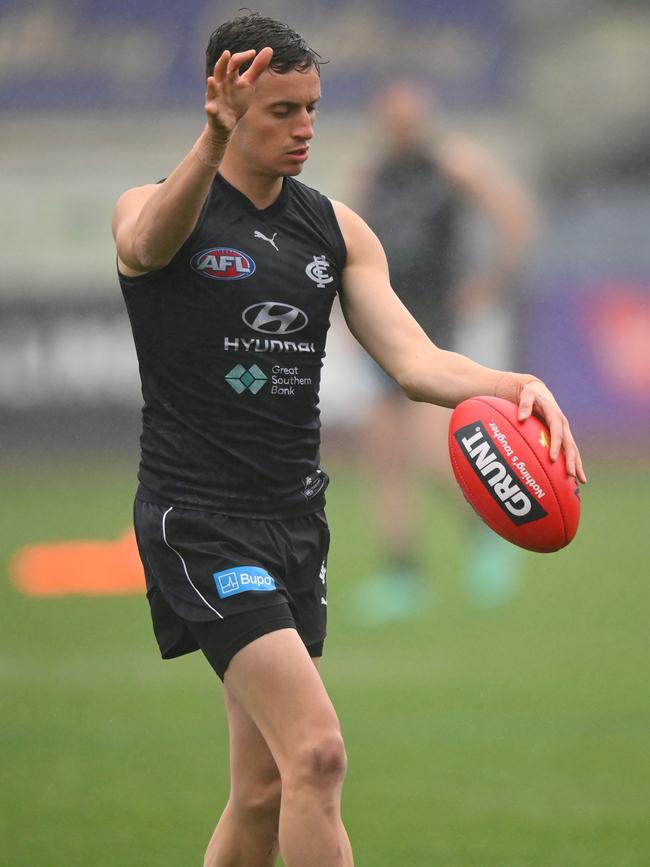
(217,582)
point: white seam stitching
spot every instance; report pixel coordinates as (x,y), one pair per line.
(187,574)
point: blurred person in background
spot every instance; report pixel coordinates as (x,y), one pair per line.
(220,264)
(418,197)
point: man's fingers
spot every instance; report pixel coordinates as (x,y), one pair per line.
(562,439)
(556,429)
(572,455)
(573,462)
(258,66)
(220,66)
(237,60)
(228,65)
(558,425)
(525,406)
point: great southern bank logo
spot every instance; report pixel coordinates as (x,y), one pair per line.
(241,379)
(243,579)
(223,263)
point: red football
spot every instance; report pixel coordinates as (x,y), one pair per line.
(505,473)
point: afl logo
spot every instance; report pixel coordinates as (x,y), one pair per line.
(223,263)
(273,317)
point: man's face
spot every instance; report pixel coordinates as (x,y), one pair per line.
(273,136)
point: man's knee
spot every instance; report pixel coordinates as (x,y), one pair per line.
(258,801)
(319,761)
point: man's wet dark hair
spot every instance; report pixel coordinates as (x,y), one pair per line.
(290,51)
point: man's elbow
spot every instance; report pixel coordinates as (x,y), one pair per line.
(427,378)
(146,256)
(409,379)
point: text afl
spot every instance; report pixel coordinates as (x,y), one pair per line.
(223,263)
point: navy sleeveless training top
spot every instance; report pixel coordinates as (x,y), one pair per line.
(230,339)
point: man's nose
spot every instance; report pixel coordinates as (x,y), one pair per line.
(304,128)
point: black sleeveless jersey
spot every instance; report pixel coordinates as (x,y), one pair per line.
(415,212)
(230,339)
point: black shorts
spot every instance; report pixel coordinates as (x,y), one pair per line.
(217,582)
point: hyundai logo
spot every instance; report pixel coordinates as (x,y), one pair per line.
(273,317)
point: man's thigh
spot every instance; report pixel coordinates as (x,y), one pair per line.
(251,761)
(279,686)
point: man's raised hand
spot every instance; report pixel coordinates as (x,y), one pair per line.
(228,94)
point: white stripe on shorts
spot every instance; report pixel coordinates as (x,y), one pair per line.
(187,574)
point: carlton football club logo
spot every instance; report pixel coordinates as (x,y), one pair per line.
(318,271)
(223,263)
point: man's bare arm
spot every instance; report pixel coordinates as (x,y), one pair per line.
(151,223)
(385,328)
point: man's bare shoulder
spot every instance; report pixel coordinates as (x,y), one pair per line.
(349,221)
(363,246)
(133,199)
(341,209)
(125,215)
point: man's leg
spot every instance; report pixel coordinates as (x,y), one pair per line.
(275,682)
(247,833)
(348,859)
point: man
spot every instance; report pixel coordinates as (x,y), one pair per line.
(229,269)
(419,193)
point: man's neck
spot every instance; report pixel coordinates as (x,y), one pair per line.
(261,189)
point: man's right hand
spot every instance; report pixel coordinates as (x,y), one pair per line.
(228,94)
(151,223)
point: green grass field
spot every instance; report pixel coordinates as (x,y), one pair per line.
(516,736)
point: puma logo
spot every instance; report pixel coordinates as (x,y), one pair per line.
(262,237)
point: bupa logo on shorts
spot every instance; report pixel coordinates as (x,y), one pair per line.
(495,475)
(242,579)
(223,263)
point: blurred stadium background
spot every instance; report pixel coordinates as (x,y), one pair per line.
(508,737)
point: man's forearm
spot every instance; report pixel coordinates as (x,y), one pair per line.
(447,378)
(169,216)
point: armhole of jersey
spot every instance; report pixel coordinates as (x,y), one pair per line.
(139,279)
(337,237)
